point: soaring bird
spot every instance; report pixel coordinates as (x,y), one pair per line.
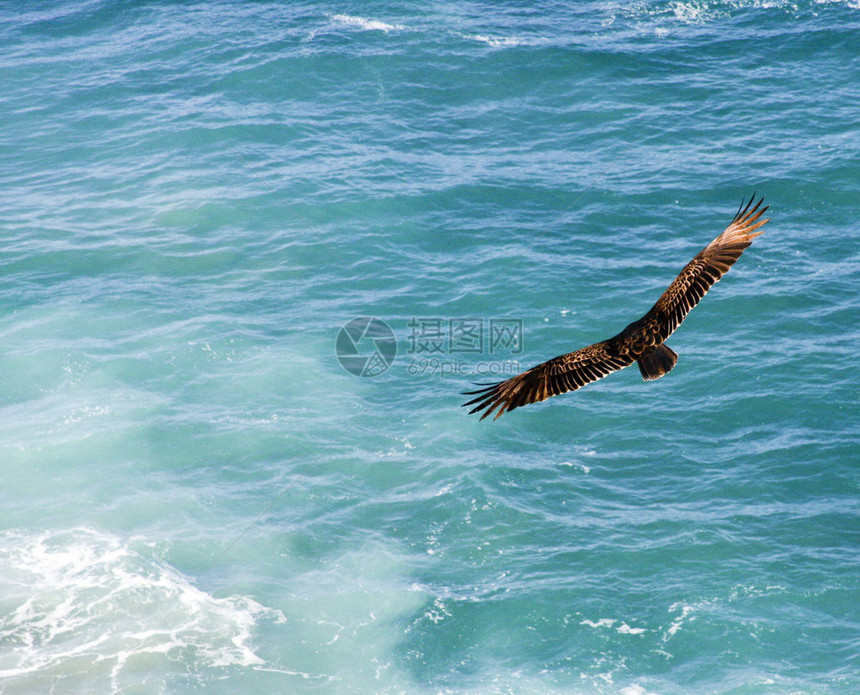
(643,341)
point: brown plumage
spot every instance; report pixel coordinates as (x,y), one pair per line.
(642,341)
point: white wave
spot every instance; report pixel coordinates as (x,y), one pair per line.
(623,628)
(496,41)
(697,12)
(364,24)
(634,689)
(81,605)
(568,464)
(603,622)
(504,41)
(686,611)
(691,12)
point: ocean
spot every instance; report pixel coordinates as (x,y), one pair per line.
(253,253)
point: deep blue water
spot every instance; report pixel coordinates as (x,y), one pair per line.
(195,200)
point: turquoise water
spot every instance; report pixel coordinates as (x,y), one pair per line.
(197,495)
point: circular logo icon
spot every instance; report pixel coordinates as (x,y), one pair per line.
(366,346)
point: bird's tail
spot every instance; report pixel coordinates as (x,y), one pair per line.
(657,362)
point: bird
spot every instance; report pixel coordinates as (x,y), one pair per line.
(643,341)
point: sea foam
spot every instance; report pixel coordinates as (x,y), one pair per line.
(84,604)
(364,24)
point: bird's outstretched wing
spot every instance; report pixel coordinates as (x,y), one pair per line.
(709,265)
(559,375)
